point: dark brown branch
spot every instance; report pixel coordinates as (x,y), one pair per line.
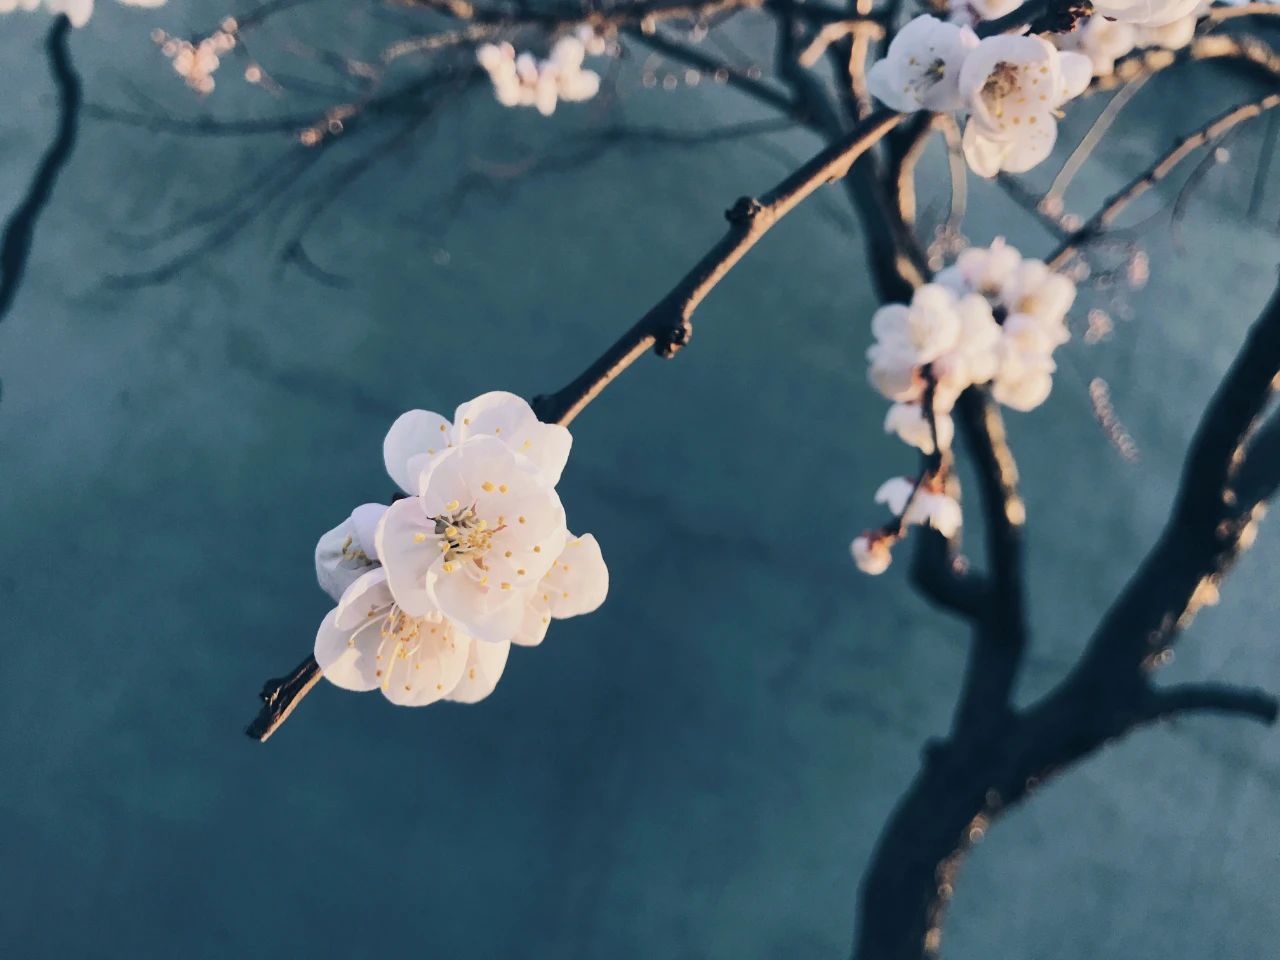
(19,229)
(280,696)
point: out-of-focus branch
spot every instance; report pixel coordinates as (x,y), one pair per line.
(1245,52)
(1098,223)
(1211,698)
(1209,525)
(15,242)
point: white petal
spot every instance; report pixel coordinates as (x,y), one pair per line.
(578,582)
(512,420)
(340,560)
(347,659)
(364,519)
(408,545)
(365,600)
(420,673)
(894,494)
(487,613)
(537,617)
(984,156)
(484,667)
(414,433)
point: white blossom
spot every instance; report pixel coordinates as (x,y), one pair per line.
(983,270)
(1013,87)
(368,642)
(1025,378)
(577,583)
(419,436)
(908,421)
(921,69)
(1103,41)
(872,553)
(348,551)
(523,80)
(483,531)
(930,508)
(1149,12)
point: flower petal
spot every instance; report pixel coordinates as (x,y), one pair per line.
(578,582)
(485,663)
(413,433)
(420,673)
(364,600)
(408,545)
(346,658)
(510,419)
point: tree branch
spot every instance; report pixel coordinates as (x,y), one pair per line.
(1098,223)
(1211,698)
(666,328)
(15,243)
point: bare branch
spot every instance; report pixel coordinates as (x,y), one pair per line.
(1098,223)
(1211,698)
(15,242)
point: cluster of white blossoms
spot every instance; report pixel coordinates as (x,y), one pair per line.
(433,590)
(77,11)
(196,62)
(1011,87)
(523,80)
(993,317)
(1104,41)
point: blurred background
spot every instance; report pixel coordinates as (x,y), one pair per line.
(701,768)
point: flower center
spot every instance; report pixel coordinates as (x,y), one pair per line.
(464,537)
(1002,83)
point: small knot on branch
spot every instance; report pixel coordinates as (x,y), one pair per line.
(668,343)
(744,211)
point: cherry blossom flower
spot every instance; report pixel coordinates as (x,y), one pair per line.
(1025,378)
(955,333)
(473,545)
(872,552)
(522,80)
(908,421)
(1149,12)
(983,270)
(419,436)
(368,642)
(349,550)
(928,507)
(1103,41)
(921,69)
(577,583)
(1013,86)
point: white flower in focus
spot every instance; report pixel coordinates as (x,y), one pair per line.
(908,421)
(367,642)
(927,507)
(348,551)
(1147,12)
(577,583)
(483,532)
(871,553)
(418,436)
(921,68)
(972,12)
(1013,87)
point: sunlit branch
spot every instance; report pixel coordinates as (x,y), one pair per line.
(1098,223)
